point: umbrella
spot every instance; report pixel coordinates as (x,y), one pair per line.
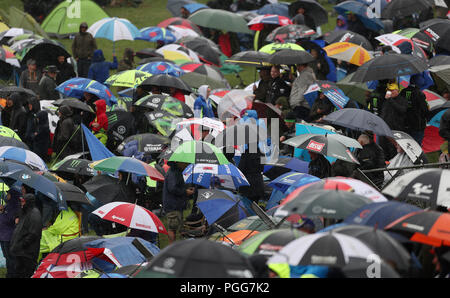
(148,53)
(206,49)
(155,34)
(327,145)
(160,67)
(283,165)
(257,23)
(220,206)
(434,100)
(24,156)
(336,96)
(181,31)
(361,11)
(348,36)
(381,243)
(198,152)
(441,76)
(163,121)
(168,81)
(126,164)
(114,29)
(255,223)
(146,142)
(402,45)
(349,52)
(221,20)
(180,22)
(358,269)
(169,104)
(354,90)
(9,133)
(7,141)
(174,6)
(197,124)
(254,58)
(289,33)
(68,167)
(268,243)
(291,57)
(281,9)
(408,144)
(43,51)
(7,55)
(439,60)
(389,66)
(380,214)
(425,226)
(313,9)
(276,46)
(71,193)
(296,179)
(178,52)
(428,186)
(234,103)
(131,215)
(420,38)
(73,103)
(404,8)
(195,80)
(14,31)
(207,175)
(127,78)
(75,87)
(357,119)
(120,125)
(237,237)
(204,69)
(335,204)
(102,189)
(199,258)
(326,249)
(241,134)
(8,90)
(37,182)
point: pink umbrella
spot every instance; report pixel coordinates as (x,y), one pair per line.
(131,215)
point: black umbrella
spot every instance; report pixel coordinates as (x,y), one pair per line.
(199,258)
(195,80)
(120,126)
(7,90)
(169,104)
(348,36)
(7,141)
(148,52)
(165,80)
(247,58)
(313,9)
(381,242)
(73,103)
(439,60)
(146,142)
(68,167)
(105,189)
(291,57)
(403,8)
(389,66)
(71,193)
(44,52)
(207,50)
(439,32)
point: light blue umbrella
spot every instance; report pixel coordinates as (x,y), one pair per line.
(436,120)
(24,156)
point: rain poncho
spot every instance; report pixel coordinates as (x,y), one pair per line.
(202,105)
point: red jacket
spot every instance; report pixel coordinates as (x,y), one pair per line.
(101,118)
(179,95)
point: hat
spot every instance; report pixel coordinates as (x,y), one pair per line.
(392,86)
(291,117)
(51,68)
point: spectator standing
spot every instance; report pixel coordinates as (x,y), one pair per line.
(83,47)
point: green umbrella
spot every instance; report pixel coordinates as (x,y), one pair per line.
(8,132)
(195,80)
(273,47)
(163,121)
(198,152)
(354,90)
(269,242)
(128,78)
(221,20)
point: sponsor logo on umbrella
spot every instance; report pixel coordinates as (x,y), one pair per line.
(323,259)
(207,194)
(315,146)
(25,176)
(412,226)
(118,218)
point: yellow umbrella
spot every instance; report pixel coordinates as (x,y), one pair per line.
(176,55)
(349,52)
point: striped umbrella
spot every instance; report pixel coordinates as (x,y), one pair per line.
(24,156)
(349,52)
(258,22)
(155,34)
(128,78)
(178,52)
(114,29)
(198,152)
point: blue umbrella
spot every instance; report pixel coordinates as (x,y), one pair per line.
(281,9)
(24,156)
(227,176)
(289,181)
(369,21)
(161,68)
(154,34)
(281,166)
(436,120)
(330,90)
(193,7)
(304,129)
(75,87)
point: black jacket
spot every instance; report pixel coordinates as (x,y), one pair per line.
(394,112)
(26,238)
(174,190)
(250,165)
(277,87)
(371,156)
(66,72)
(41,140)
(63,132)
(417,111)
(47,90)
(18,117)
(320,167)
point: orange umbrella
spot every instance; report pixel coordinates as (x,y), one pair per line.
(237,237)
(349,52)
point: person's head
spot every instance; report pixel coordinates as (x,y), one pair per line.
(155,90)
(264,73)
(129,54)
(83,27)
(61,59)
(13,100)
(315,53)
(313,155)
(364,139)
(393,89)
(31,65)
(290,119)
(184,12)
(385,49)
(275,71)
(87,96)
(65,111)
(341,21)
(100,106)
(301,67)
(27,201)
(446,94)
(51,71)
(299,19)
(351,17)
(301,10)
(25,189)
(204,91)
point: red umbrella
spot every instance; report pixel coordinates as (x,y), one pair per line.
(132,216)
(258,22)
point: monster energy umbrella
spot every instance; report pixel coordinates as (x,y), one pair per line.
(72,193)
(68,167)
(169,104)
(146,142)
(403,8)
(163,121)
(127,78)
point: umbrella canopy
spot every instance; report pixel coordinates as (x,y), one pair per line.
(73,103)
(43,51)
(313,9)
(127,164)
(9,133)
(220,206)
(234,239)
(163,121)
(8,90)
(290,33)
(198,152)
(362,12)
(285,181)
(358,119)
(358,269)
(402,45)
(276,46)
(7,141)
(160,67)
(408,144)
(348,36)
(174,6)
(427,227)
(206,49)
(404,8)
(428,186)
(177,21)
(127,78)
(7,56)
(69,167)
(114,29)
(437,30)
(207,175)
(146,142)
(335,204)
(155,34)
(246,58)
(181,31)
(441,76)
(326,249)
(258,22)
(381,243)
(199,258)
(165,80)
(132,216)
(241,134)
(198,124)
(220,19)
(75,87)
(234,103)
(203,69)
(24,156)
(353,90)
(283,165)
(349,52)
(169,104)
(102,189)
(195,80)
(291,57)
(176,52)
(389,66)
(336,96)
(71,193)
(326,145)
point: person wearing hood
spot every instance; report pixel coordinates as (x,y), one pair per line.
(47,84)
(25,240)
(32,107)
(202,105)
(99,69)
(9,210)
(341,23)
(99,125)
(64,131)
(127,63)
(83,47)
(41,136)
(18,116)
(297,101)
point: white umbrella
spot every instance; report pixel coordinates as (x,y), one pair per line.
(114,29)
(182,31)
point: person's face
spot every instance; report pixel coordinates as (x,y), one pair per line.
(208,92)
(312,155)
(274,72)
(289,124)
(339,22)
(23,190)
(9,103)
(83,29)
(32,67)
(61,59)
(301,10)
(314,53)
(446,95)
(394,93)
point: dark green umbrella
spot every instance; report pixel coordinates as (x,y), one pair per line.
(221,20)
(354,90)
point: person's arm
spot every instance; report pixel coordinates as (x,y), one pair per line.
(114,64)
(197,108)
(174,187)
